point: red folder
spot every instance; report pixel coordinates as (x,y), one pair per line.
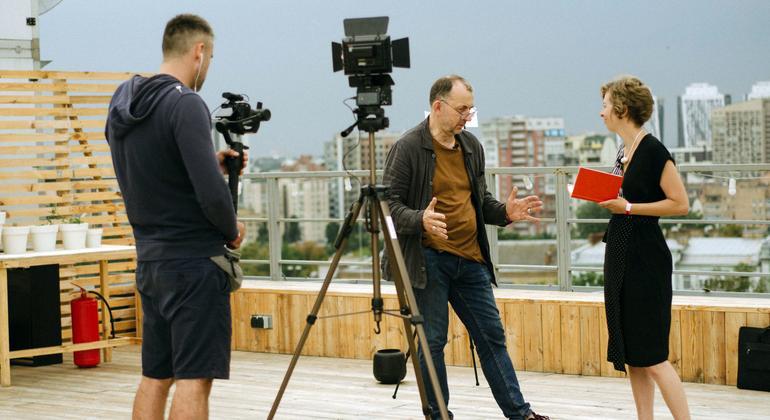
(598,186)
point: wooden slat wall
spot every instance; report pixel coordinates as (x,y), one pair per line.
(543,335)
(53,154)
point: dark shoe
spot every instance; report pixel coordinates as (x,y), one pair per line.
(535,416)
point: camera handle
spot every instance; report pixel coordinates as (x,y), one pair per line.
(234,164)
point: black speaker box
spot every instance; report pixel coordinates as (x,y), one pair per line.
(34,312)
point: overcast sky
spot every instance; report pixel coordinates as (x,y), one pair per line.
(533,58)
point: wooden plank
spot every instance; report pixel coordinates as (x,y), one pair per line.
(32,99)
(754,319)
(714,347)
(57,124)
(72,160)
(58,186)
(58,87)
(67,75)
(590,353)
(692,345)
(53,112)
(514,332)
(55,199)
(58,174)
(570,339)
(533,337)
(733,322)
(457,351)
(606,368)
(675,341)
(551,338)
(30,150)
(52,137)
(68,210)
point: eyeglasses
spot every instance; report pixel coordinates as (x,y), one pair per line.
(466,115)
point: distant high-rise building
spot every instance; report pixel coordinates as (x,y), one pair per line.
(741,132)
(351,153)
(523,141)
(759,90)
(655,124)
(694,109)
(306,198)
(590,149)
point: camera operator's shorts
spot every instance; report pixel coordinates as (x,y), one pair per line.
(186,325)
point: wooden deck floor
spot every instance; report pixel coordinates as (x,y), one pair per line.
(324,388)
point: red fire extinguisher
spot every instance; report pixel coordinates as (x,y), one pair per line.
(85,326)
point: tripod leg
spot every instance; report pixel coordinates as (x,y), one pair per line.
(409,303)
(473,357)
(311,318)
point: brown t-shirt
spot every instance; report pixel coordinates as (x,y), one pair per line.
(453,193)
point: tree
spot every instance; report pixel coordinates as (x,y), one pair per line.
(292,233)
(590,210)
(263,236)
(331,233)
(734,283)
(731,231)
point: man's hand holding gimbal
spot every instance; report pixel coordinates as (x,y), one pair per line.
(433,222)
(231,153)
(241,233)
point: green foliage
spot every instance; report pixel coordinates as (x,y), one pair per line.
(590,210)
(590,278)
(52,216)
(731,231)
(738,283)
(263,236)
(292,233)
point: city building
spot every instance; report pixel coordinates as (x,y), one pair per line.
(654,125)
(694,109)
(349,154)
(590,149)
(741,132)
(305,198)
(759,90)
(527,142)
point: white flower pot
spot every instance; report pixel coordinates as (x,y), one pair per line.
(73,235)
(44,237)
(15,239)
(94,238)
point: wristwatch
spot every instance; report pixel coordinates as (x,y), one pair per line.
(628,208)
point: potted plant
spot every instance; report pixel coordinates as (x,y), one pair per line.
(73,233)
(94,238)
(15,239)
(44,236)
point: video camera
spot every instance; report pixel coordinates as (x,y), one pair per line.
(367,55)
(242,120)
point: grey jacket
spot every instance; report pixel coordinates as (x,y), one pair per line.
(409,170)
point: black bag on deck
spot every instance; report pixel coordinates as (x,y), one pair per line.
(754,358)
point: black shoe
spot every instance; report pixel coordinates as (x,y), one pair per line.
(535,416)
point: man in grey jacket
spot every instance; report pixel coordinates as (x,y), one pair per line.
(439,203)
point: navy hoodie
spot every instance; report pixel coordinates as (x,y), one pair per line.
(178,203)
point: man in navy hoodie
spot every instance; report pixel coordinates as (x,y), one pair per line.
(181,212)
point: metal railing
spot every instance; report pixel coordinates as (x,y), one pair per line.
(564,220)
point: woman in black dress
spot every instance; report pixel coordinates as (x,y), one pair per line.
(637,262)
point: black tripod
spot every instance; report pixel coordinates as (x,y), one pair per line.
(375,196)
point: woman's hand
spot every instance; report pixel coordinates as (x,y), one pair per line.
(616,205)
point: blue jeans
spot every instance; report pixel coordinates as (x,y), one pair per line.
(467,286)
